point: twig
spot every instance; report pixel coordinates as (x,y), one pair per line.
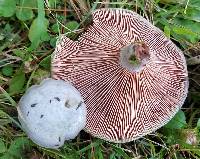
(51,9)
(4,79)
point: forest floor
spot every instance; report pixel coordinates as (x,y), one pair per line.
(28,34)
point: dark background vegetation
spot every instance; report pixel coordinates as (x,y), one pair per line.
(28,33)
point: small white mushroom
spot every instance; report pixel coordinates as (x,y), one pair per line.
(52,112)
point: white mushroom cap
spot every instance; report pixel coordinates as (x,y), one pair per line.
(52,112)
(124,101)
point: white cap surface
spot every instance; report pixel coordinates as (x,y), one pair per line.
(52,112)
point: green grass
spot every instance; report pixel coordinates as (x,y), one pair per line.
(28,34)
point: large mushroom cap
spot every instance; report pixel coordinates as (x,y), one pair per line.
(124,101)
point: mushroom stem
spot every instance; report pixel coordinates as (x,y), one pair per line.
(134,56)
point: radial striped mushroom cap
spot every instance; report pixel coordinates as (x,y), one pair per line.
(125,99)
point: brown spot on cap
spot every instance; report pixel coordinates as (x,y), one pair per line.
(33,105)
(123,105)
(58,99)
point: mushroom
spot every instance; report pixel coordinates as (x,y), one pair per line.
(52,112)
(133,79)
